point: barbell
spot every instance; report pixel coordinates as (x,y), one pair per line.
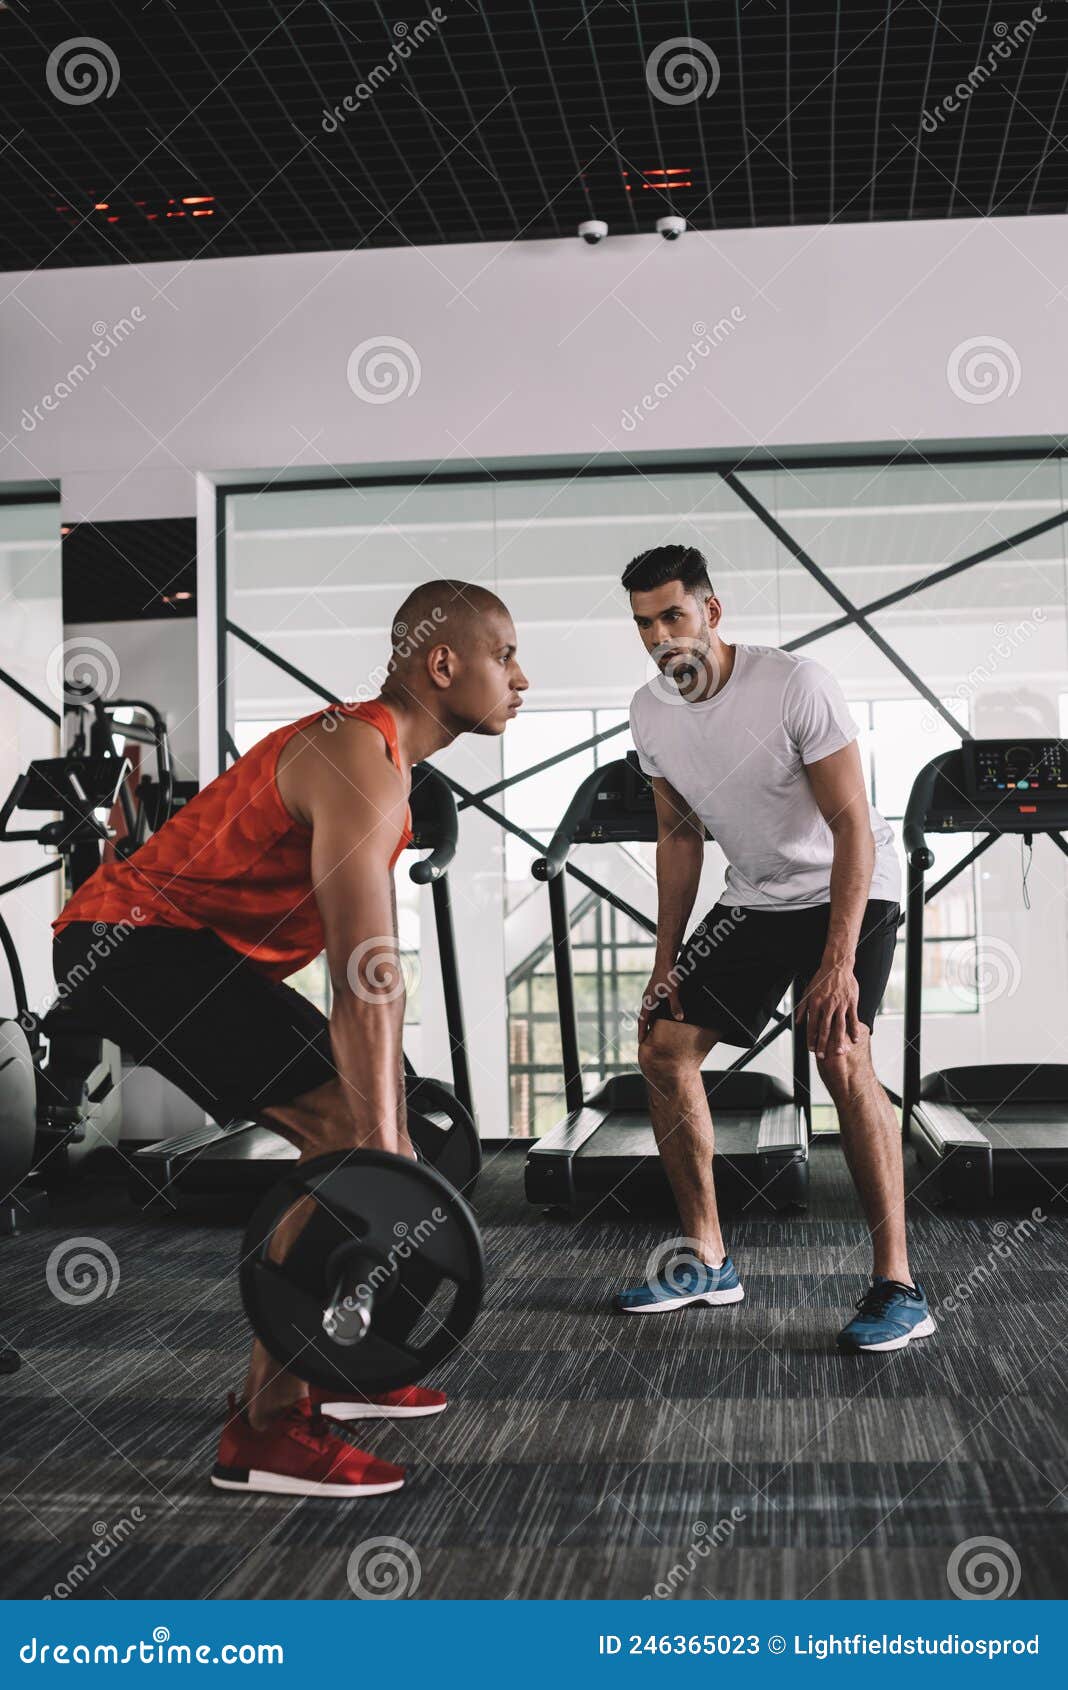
(381,1284)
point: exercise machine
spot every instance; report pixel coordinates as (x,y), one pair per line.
(993,1130)
(244,1159)
(59,1081)
(605,1143)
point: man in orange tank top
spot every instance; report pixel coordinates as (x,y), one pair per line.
(289,851)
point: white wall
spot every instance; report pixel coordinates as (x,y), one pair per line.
(841,336)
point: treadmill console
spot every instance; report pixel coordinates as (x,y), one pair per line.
(622,807)
(1036,769)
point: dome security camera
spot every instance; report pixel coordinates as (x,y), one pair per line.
(593,231)
(670,228)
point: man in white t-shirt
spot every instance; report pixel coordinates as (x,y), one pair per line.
(758,746)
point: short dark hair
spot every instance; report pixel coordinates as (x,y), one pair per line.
(668,563)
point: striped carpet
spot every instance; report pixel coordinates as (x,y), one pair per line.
(720,1453)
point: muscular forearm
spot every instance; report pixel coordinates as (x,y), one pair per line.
(366,1040)
(678,871)
(851,872)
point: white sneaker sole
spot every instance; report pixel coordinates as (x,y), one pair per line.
(923,1330)
(712,1300)
(285,1484)
(371,1411)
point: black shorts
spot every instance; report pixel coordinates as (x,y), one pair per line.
(204,1016)
(738,964)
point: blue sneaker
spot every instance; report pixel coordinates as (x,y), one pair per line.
(889,1316)
(676,1284)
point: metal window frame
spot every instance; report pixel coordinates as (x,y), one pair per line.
(723,469)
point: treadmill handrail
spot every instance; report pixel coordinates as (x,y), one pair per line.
(552,864)
(433,785)
(914,831)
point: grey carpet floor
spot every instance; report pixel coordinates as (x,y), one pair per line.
(716,1453)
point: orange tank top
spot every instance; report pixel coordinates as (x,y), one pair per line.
(233,860)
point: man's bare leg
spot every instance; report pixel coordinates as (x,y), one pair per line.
(871,1142)
(317,1123)
(670,1058)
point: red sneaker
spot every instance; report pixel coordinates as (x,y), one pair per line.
(411,1403)
(297,1455)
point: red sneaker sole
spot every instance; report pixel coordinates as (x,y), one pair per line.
(288,1484)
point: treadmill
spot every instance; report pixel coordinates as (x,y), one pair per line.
(605,1143)
(995,1130)
(244,1158)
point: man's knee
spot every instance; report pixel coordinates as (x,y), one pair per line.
(661,1055)
(850,1072)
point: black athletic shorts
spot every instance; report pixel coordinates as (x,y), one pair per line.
(184,1003)
(736,967)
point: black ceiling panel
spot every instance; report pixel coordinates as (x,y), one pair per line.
(125,571)
(186,129)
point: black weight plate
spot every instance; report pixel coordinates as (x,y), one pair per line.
(444,1133)
(378,1207)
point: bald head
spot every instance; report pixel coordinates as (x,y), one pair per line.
(459,614)
(454,656)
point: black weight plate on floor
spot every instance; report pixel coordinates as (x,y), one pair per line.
(369,1205)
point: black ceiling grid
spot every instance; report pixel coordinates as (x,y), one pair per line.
(513,118)
(129,571)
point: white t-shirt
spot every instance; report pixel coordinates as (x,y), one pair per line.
(737,759)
